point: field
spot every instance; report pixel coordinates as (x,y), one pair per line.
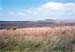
(38,39)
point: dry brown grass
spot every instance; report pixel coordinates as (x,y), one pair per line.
(66,31)
(52,36)
(40,32)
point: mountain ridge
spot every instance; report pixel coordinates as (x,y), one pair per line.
(39,23)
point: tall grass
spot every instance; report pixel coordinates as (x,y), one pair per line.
(45,39)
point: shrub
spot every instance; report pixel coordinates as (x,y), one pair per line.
(11,28)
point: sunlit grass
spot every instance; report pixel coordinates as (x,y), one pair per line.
(37,39)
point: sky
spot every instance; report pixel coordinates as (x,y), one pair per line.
(23,10)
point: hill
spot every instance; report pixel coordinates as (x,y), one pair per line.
(39,23)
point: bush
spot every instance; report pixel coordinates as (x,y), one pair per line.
(11,28)
(14,28)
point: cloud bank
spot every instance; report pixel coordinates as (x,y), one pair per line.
(52,10)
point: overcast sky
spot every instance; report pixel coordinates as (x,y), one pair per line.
(23,10)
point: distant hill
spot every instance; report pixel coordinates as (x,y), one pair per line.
(39,23)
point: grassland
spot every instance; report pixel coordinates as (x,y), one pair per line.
(38,39)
